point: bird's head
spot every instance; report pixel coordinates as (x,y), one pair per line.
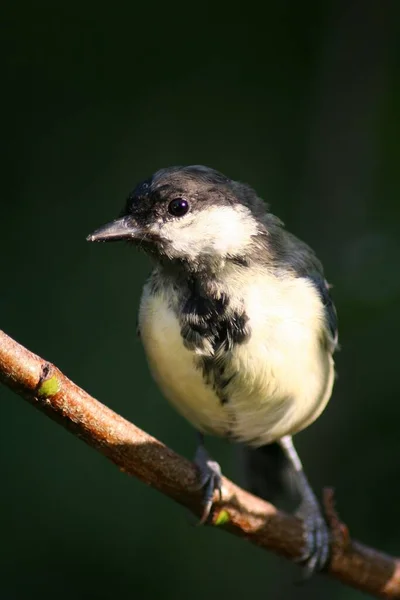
(189,215)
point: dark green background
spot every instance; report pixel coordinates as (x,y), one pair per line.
(300,99)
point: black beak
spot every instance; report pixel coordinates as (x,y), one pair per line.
(120,229)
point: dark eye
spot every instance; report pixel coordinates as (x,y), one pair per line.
(178,207)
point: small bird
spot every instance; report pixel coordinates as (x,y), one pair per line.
(238,327)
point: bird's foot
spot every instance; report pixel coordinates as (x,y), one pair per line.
(316,538)
(316,532)
(210,479)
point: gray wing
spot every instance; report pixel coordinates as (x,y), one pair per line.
(322,287)
(294,255)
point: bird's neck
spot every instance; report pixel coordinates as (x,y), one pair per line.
(206,282)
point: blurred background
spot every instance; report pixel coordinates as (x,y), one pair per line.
(302,101)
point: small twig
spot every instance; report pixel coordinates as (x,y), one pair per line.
(340,531)
(137,453)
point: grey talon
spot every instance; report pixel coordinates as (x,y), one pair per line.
(210,479)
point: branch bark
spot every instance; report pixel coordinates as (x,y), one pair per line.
(137,453)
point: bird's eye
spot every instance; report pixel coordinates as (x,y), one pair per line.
(178,207)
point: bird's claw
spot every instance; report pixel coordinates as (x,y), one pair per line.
(316,538)
(210,479)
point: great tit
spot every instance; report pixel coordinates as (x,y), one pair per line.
(238,326)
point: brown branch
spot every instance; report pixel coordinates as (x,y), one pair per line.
(137,453)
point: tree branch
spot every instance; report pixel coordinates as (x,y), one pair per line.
(137,453)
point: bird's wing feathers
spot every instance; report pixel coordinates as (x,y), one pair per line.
(295,255)
(322,287)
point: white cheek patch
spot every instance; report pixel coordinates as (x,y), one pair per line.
(220,230)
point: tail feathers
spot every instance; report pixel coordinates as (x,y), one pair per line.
(270,475)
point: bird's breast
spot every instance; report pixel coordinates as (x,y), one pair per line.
(174,367)
(279,378)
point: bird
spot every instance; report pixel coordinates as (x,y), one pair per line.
(238,327)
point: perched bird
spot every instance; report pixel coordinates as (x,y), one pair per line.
(237,324)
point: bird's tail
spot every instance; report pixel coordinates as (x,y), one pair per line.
(269,474)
